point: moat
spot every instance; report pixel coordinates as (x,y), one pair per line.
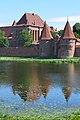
(26,86)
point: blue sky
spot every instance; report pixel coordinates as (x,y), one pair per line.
(55,12)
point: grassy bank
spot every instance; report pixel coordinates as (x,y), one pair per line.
(39,60)
(7,113)
(74,116)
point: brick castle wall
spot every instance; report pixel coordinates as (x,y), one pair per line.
(32,51)
(66,48)
(77,51)
(46,48)
(14,51)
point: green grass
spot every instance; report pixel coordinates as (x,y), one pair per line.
(40,60)
(66,114)
(74,116)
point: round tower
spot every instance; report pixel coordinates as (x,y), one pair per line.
(66,46)
(46,42)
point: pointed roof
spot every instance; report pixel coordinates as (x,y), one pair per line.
(31,19)
(67,32)
(46,34)
(14,23)
(23,20)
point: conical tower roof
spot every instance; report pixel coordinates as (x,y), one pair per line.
(46,34)
(67,32)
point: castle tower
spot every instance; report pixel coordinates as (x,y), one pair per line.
(67,41)
(46,42)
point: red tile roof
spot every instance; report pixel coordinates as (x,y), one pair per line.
(67,33)
(31,19)
(46,34)
(7,30)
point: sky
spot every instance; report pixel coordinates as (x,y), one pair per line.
(55,12)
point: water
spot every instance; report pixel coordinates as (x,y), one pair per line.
(28,86)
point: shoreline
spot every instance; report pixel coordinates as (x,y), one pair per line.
(39,60)
(73,116)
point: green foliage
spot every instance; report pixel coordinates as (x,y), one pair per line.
(25,38)
(41,60)
(57,33)
(54,34)
(77,35)
(60,32)
(76,30)
(3,40)
(73,116)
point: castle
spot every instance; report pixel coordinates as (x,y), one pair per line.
(44,44)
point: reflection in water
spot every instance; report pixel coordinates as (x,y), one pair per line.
(26,82)
(67,93)
(67,88)
(33,81)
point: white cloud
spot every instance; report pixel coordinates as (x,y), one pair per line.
(64,19)
(59,22)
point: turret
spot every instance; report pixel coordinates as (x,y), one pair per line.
(66,47)
(46,42)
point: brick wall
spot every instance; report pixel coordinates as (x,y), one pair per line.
(46,48)
(12,51)
(77,51)
(33,51)
(66,48)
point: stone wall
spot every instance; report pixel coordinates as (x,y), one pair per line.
(77,51)
(46,48)
(14,51)
(66,48)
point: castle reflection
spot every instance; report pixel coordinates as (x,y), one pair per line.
(31,81)
(26,82)
(67,92)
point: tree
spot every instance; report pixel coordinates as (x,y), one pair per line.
(77,35)
(3,40)
(76,30)
(25,38)
(60,32)
(54,34)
